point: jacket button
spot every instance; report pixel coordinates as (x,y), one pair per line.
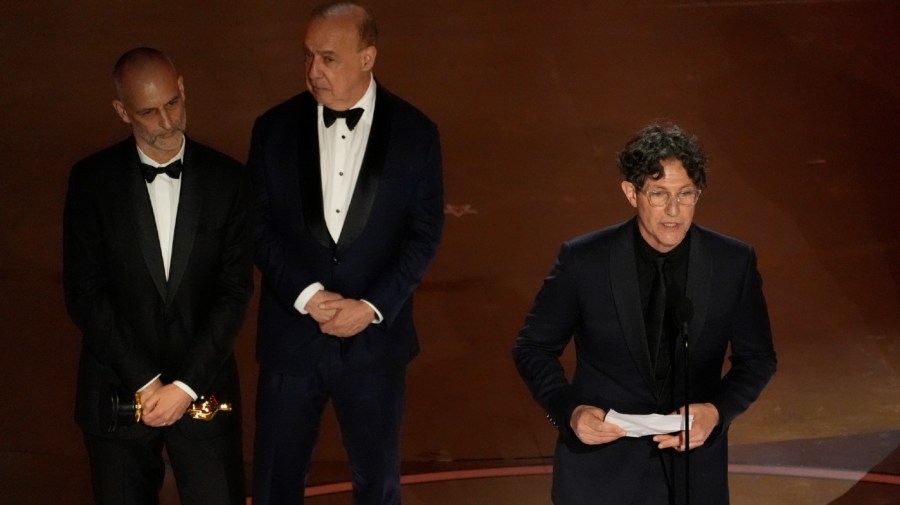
(336,260)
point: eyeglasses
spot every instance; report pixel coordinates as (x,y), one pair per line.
(659,198)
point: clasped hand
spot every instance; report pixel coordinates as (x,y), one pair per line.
(163,405)
(339,316)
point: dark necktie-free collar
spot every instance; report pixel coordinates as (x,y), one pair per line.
(351,116)
(150,172)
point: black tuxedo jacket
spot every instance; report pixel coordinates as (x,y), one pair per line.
(389,238)
(592,294)
(136,324)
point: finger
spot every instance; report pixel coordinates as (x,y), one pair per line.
(149,408)
(333,304)
(663,438)
(322,316)
(613,428)
(668,441)
(596,440)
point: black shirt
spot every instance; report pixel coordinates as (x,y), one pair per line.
(675,270)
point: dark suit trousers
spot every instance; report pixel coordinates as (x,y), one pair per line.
(131,470)
(626,472)
(369,408)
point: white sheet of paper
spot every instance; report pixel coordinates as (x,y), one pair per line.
(648,424)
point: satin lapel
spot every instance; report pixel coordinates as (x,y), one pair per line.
(370,171)
(699,284)
(190,204)
(145,223)
(310,171)
(627,296)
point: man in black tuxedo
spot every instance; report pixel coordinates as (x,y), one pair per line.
(158,274)
(620,293)
(349,204)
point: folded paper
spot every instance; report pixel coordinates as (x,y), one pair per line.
(648,424)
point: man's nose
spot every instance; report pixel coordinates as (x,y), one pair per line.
(672,205)
(165,120)
(312,68)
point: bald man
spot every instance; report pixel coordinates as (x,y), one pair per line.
(157,276)
(349,214)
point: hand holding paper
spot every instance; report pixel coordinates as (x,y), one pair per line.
(649,424)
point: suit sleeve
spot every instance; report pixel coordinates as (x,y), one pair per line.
(548,328)
(214,342)
(425,220)
(282,270)
(107,335)
(753,356)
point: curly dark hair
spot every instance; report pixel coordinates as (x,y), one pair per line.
(658,142)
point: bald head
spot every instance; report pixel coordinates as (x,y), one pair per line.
(368,31)
(137,61)
(150,98)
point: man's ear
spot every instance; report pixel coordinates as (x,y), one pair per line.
(368,58)
(630,193)
(181,87)
(120,110)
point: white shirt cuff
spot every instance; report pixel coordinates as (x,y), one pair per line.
(378,317)
(187,389)
(148,384)
(184,387)
(306,295)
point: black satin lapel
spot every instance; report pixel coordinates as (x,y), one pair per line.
(627,296)
(145,225)
(370,171)
(699,284)
(310,173)
(190,203)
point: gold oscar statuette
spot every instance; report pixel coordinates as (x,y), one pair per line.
(117,409)
(204,409)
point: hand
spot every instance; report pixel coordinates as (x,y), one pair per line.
(150,388)
(589,426)
(313,306)
(164,406)
(351,317)
(706,418)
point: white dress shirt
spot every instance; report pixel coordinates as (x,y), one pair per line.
(164,193)
(341,152)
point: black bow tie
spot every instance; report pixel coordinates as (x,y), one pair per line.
(351,116)
(173,170)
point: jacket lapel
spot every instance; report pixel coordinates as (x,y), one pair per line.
(370,171)
(699,284)
(190,202)
(310,170)
(145,223)
(627,297)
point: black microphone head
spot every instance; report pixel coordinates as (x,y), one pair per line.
(684,311)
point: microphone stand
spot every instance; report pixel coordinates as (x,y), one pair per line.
(684,313)
(687,424)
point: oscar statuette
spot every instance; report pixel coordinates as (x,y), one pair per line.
(120,409)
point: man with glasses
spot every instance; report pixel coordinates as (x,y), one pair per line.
(630,294)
